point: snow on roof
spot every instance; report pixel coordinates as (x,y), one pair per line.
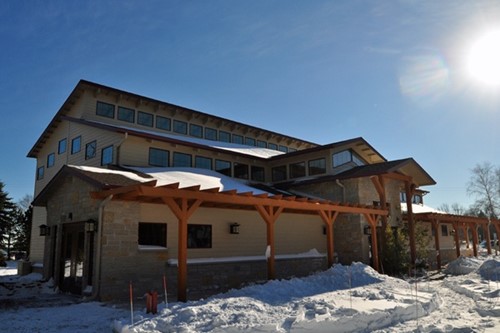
(237,148)
(186,177)
(420,208)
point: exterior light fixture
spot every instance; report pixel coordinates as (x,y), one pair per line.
(90,225)
(44,230)
(234,228)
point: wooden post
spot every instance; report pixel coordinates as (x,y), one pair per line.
(457,239)
(486,229)
(182,209)
(435,225)
(270,214)
(372,220)
(411,224)
(329,218)
(474,239)
(379,183)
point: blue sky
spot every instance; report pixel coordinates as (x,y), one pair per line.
(393,72)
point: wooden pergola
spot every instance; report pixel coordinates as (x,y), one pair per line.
(183,202)
(459,222)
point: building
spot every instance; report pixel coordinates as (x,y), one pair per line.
(129,188)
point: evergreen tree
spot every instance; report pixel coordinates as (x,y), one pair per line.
(7,220)
(396,256)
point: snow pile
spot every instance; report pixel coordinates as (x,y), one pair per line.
(462,266)
(490,270)
(341,299)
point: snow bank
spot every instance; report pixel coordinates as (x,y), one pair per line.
(463,266)
(490,270)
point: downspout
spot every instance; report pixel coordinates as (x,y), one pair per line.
(343,189)
(118,148)
(97,275)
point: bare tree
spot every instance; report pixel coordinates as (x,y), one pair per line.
(455,208)
(484,185)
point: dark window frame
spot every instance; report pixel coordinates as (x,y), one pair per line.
(152,158)
(51,160)
(62,146)
(297,170)
(143,116)
(227,170)
(105,150)
(89,146)
(193,131)
(198,162)
(224,136)
(76,145)
(314,169)
(175,162)
(241,170)
(101,110)
(167,121)
(180,127)
(257,173)
(279,173)
(211,134)
(40,172)
(238,139)
(152,234)
(124,114)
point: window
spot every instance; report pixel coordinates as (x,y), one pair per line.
(126,114)
(279,173)
(145,119)
(345,157)
(237,139)
(223,167)
(291,150)
(61,148)
(154,234)
(257,173)
(250,142)
(196,130)
(317,167)
(107,155)
(76,144)
(272,146)
(39,173)
(51,159)
(163,123)
(402,196)
(105,110)
(297,170)
(261,144)
(180,127)
(182,160)
(240,170)
(203,162)
(444,230)
(199,236)
(283,149)
(158,157)
(210,133)
(90,150)
(417,199)
(224,136)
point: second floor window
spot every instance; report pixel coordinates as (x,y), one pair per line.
(145,119)
(182,160)
(90,150)
(61,148)
(40,172)
(76,145)
(51,159)
(279,173)
(107,155)
(223,167)
(158,157)
(297,170)
(105,110)
(126,114)
(203,162)
(317,167)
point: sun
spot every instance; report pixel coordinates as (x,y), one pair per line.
(483,61)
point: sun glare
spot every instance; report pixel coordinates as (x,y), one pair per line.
(484,59)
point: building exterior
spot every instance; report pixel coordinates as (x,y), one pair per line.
(129,188)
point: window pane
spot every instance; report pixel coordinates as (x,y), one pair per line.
(272,146)
(163,123)
(51,159)
(152,234)
(158,157)
(223,167)
(76,145)
(250,142)
(224,136)
(237,139)
(283,149)
(107,155)
(90,150)
(258,173)
(210,133)
(39,173)
(62,146)
(261,144)
(199,236)
(203,162)
(180,127)
(126,114)
(341,158)
(297,170)
(317,167)
(145,119)
(444,230)
(182,160)
(105,110)
(240,170)
(357,160)
(279,173)
(196,130)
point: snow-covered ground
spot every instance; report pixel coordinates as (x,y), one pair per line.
(342,299)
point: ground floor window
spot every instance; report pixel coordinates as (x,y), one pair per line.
(153,234)
(199,236)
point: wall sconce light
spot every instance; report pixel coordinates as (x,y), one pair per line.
(90,225)
(234,228)
(367,230)
(44,230)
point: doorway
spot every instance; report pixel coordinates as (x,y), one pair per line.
(72,258)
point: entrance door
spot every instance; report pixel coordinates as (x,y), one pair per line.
(72,258)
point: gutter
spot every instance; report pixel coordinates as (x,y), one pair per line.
(97,275)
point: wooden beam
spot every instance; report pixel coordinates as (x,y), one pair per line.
(475,240)
(372,220)
(457,239)
(270,214)
(486,229)
(411,224)
(435,225)
(329,217)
